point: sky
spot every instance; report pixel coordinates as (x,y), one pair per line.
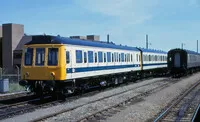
(169,23)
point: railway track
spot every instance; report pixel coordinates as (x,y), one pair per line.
(182,109)
(100,113)
(14,95)
(16,106)
(33,104)
(25,106)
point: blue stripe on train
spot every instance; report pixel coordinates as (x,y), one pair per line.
(97,68)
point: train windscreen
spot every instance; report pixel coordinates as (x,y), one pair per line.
(28,56)
(53,56)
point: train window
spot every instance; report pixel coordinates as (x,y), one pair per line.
(139,57)
(131,58)
(122,57)
(125,57)
(100,56)
(109,56)
(79,56)
(85,57)
(40,55)
(119,57)
(90,56)
(95,57)
(53,56)
(128,57)
(67,57)
(112,57)
(104,57)
(156,58)
(149,58)
(28,56)
(115,57)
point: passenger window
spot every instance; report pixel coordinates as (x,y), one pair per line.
(40,55)
(112,57)
(104,57)
(95,57)
(149,58)
(109,56)
(79,57)
(131,58)
(125,57)
(90,57)
(28,56)
(122,57)
(85,57)
(115,57)
(53,56)
(119,58)
(67,57)
(137,56)
(100,56)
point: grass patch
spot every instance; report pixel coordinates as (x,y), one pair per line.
(15,87)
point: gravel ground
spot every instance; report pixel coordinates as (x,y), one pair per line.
(147,110)
(143,110)
(46,111)
(13,93)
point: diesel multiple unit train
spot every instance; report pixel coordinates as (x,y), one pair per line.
(52,64)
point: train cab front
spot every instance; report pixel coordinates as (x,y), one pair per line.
(43,66)
(177,61)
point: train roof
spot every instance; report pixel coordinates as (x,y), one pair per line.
(152,50)
(187,51)
(191,52)
(48,39)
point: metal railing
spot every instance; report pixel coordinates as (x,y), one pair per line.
(13,77)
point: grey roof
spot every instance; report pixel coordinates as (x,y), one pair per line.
(25,39)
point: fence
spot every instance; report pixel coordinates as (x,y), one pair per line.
(13,77)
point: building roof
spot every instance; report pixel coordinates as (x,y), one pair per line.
(23,41)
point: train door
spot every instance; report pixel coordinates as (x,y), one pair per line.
(69,63)
(177,61)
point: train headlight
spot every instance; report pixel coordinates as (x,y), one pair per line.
(52,75)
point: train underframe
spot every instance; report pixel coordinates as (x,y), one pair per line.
(98,82)
(178,72)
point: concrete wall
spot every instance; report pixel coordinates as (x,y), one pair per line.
(17,53)
(12,34)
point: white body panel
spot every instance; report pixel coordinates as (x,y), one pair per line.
(74,65)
